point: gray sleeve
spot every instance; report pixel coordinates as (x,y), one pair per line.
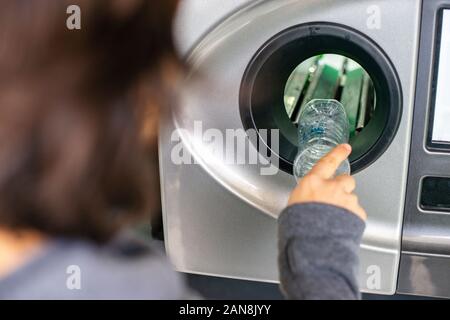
(318,252)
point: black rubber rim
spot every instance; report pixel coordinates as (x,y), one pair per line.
(262,89)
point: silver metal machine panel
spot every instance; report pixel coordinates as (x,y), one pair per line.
(220,219)
(425,257)
(196,17)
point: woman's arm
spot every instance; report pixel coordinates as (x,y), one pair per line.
(318,247)
(320,233)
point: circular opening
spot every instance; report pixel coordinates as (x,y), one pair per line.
(265,84)
(332,76)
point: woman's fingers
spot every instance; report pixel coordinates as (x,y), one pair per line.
(347,182)
(318,185)
(327,166)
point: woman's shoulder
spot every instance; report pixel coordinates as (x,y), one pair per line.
(126,268)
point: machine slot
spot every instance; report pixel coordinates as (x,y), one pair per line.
(297,85)
(351,97)
(324,81)
(331,76)
(365,104)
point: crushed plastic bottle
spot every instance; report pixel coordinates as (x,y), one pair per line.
(323,125)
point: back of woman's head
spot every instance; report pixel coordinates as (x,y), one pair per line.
(71,109)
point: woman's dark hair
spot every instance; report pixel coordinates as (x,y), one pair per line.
(73,104)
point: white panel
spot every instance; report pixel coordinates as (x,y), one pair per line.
(441,129)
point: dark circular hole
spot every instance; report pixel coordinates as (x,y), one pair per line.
(262,95)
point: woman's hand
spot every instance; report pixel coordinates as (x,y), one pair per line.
(320,186)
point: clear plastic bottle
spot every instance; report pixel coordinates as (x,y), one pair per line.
(323,124)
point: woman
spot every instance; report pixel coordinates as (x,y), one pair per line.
(77,162)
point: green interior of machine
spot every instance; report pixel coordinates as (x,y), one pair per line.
(331,76)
